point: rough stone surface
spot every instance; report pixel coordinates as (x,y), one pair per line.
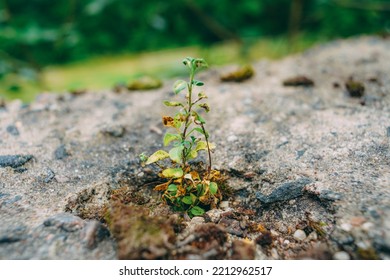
(269,138)
(285,191)
(14,161)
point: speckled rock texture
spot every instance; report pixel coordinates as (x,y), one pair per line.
(309,159)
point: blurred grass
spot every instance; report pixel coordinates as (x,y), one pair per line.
(104,72)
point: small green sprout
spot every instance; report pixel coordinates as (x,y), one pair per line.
(187,188)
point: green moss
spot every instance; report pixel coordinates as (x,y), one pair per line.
(139,235)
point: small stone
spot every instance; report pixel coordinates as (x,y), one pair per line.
(13,200)
(286,242)
(61,152)
(299,153)
(313,236)
(367,226)
(283,229)
(232,138)
(299,235)
(145,83)
(214,215)
(224,205)
(62,179)
(298,81)
(355,88)
(155,129)
(274,254)
(330,195)
(114,131)
(239,75)
(13,130)
(341,255)
(50,175)
(14,161)
(197,220)
(346,227)
(357,221)
(388,131)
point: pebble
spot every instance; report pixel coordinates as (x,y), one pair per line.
(224,205)
(330,195)
(274,254)
(14,161)
(341,255)
(283,229)
(313,236)
(61,152)
(232,138)
(357,221)
(214,215)
(346,227)
(13,130)
(367,226)
(50,175)
(299,235)
(155,129)
(197,220)
(13,200)
(114,130)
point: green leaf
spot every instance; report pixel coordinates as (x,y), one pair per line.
(187,144)
(213,188)
(188,61)
(197,211)
(198,117)
(178,86)
(173,103)
(198,129)
(197,83)
(172,188)
(187,200)
(169,137)
(201,95)
(205,106)
(193,197)
(200,63)
(193,154)
(172,173)
(176,154)
(159,155)
(143,157)
(201,145)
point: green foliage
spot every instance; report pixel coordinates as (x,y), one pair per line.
(29,29)
(37,33)
(187,188)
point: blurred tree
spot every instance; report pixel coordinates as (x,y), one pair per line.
(41,32)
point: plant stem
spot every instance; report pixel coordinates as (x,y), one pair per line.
(189,102)
(208,149)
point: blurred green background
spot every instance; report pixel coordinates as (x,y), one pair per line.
(61,45)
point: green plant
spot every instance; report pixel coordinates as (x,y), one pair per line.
(189,187)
